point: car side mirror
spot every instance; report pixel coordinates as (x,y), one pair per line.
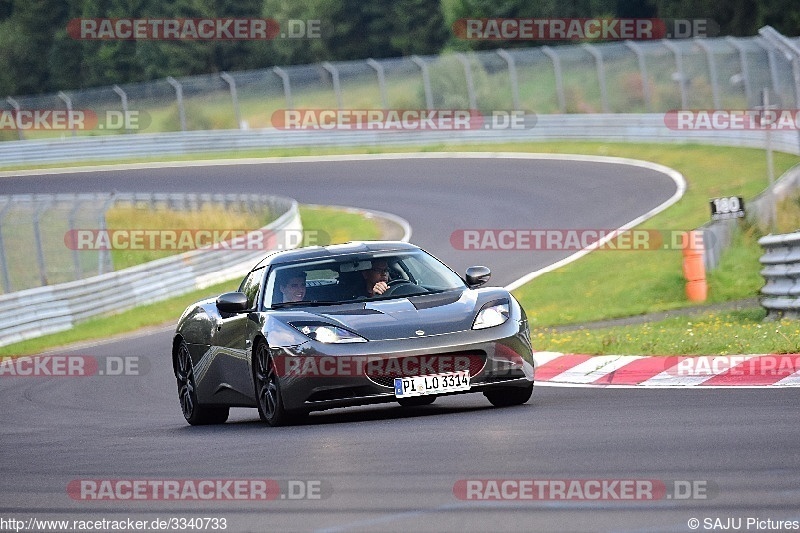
(477,276)
(232,302)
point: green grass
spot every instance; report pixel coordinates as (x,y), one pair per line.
(703,333)
(127,218)
(613,283)
(347,226)
(728,333)
(335,226)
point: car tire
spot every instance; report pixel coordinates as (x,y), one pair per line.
(269,397)
(194,413)
(508,396)
(416,401)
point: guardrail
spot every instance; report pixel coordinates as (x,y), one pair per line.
(717,235)
(34,312)
(780,296)
(648,127)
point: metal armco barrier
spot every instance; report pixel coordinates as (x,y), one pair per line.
(649,127)
(780,296)
(50,309)
(717,235)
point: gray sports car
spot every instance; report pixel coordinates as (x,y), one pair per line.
(350,324)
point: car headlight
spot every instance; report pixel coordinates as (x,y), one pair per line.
(492,314)
(327,333)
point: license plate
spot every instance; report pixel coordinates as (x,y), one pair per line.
(431,384)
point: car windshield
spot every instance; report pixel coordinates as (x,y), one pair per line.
(352,278)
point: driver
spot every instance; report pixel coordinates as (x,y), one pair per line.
(376,279)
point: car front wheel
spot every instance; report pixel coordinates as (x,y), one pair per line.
(268,390)
(508,396)
(193,412)
(416,401)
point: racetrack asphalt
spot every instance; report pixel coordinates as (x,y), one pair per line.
(389,468)
(438,196)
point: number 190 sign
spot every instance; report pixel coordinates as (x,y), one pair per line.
(729,207)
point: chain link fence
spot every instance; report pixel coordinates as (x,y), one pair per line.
(617,77)
(35,230)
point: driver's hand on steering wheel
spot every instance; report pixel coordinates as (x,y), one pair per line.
(380,287)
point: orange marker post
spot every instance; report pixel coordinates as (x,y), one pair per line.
(693,266)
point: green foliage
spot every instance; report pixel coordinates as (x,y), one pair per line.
(38,56)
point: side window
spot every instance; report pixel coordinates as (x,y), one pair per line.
(250,286)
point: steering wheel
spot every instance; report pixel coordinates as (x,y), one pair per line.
(394,284)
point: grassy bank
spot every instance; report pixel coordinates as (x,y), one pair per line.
(728,333)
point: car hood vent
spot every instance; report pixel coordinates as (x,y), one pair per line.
(428,301)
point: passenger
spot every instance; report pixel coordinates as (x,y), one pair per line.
(292,286)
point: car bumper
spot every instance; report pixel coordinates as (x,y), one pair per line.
(316,376)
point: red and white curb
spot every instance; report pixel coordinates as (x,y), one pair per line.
(573,370)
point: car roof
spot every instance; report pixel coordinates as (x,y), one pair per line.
(320,252)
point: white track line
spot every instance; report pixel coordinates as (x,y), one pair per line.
(594,369)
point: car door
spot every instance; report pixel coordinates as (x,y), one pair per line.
(231,338)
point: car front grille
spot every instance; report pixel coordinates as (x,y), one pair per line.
(383,372)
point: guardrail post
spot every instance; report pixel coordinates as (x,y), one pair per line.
(179,97)
(473,101)
(17,109)
(773,209)
(680,74)
(381,81)
(712,70)
(562,103)
(104,256)
(37,239)
(68,102)
(3,262)
(227,78)
(640,58)
(748,87)
(337,89)
(426,80)
(601,74)
(287,86)
(123,97)
(512,76)
(773,68)
(76,259)
(792,53)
